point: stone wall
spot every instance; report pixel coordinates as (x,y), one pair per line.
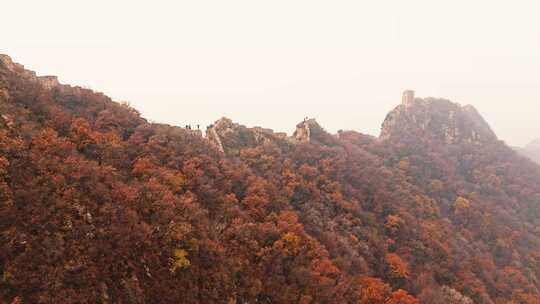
(47,82)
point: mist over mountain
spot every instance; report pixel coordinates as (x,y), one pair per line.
(98,205)
(532,150)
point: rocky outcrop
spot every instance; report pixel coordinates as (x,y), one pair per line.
(230,137)
(440,119)
(310,131)
(303,131)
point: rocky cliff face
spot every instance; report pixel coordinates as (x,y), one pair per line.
(438,119)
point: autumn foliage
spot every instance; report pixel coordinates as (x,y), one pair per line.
(97,205)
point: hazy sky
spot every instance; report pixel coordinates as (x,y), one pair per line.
(271,63)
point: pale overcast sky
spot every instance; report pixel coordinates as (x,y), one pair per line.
(271,63)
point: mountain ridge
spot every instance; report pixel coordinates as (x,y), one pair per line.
(531,150)
(100,206)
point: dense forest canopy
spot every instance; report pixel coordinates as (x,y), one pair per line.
(97,205)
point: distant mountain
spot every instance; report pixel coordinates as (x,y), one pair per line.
(532,150)
(97,205)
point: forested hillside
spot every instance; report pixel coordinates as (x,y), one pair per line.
(97,205)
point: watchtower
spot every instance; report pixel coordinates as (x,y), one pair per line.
(408,97)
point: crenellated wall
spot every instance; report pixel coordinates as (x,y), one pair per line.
(47,82)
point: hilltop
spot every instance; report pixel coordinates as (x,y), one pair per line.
(436,119)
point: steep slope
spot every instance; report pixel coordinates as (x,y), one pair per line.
(488,192)
(100,206)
